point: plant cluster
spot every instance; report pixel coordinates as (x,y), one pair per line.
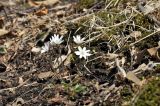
(57,40)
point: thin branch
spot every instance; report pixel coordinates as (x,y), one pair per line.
(145,37)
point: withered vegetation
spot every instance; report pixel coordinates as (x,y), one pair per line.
(122,35)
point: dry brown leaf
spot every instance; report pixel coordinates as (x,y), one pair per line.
(18,102)
(48,2)
(3,32)
(111,56)
(44,75)
(56,100)
(58,61)
(8,43)
(36,49)
(131,76)
(136,34)
(154,52)
(21,81)
(60,13)
(42,12)
(68,60)
(148,9)
(33,3)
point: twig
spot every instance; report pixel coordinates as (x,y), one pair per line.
(120,68)
(145,37)
(149,16)
(13,88)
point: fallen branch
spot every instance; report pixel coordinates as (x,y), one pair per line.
(158,30)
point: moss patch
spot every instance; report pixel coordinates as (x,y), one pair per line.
(85,4)
(151,94)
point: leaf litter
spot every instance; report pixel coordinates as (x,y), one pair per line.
(123,37)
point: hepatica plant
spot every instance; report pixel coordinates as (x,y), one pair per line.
(45,48)
(82,52)
(57,40)
(78,40)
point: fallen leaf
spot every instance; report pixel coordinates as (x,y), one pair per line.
(56,100)
(68,60)
(20,80)
(111,56)
(8,3)
(33,3)
(44,75)
(154,52)
(18,102)
(48,2)
(3,32)
(60,60)
(8,44)
(42,12)
(60,13)
(136,34)
(148,9)
(36,49)
(131,76)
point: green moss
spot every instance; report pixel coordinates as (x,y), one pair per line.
(142,21)
(74,89)
(126,93)
(113,16)
(3,50)
(151,94)
(85,4)
(158,67)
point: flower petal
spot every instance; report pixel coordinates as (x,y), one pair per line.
(80,56)
(42,51)
(78,37)
(61,37)
(88,54)
(83,39)
(77,52)
(87,51)
(74,38)
(79,48)
(85,57)
(84,49)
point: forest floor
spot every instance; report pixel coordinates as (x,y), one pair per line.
(123,37)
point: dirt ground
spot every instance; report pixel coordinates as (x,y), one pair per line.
(123,37)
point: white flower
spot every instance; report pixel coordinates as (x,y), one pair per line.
(56,39)
(82,52)
(45,48)
(78,39)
